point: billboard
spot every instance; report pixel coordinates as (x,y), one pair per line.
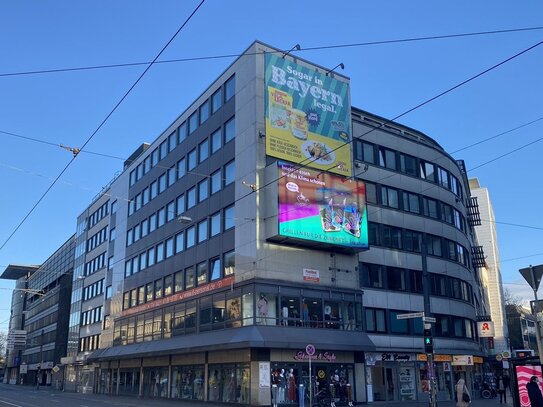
(322,207)
(308,116)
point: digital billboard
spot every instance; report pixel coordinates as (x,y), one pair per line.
(322,207)
(308,116)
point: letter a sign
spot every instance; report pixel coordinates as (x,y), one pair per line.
(486,329)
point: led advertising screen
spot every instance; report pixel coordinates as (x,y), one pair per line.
(308,116)
(322,207)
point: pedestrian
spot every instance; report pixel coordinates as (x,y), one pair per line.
(501,390)
(463,397)
(534,392)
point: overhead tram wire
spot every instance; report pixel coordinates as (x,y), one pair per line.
(103,122)
(315,48)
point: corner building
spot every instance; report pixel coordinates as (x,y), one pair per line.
(212,292)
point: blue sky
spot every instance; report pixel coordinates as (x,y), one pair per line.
(65,108)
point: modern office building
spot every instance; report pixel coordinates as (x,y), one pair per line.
(269,224)
(40,309)
(488,239)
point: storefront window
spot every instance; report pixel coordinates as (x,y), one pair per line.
(187,382)
(155,382)
(314,309)
(290,311)
(233,312)
(266,308)
(247,309)
(332,316)
(218,312)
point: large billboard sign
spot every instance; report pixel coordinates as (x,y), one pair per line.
(322,207)
(308,116)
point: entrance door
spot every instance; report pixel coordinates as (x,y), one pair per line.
(391,384)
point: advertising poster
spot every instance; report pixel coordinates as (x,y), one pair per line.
(524,373)
(322,207)
(308,116)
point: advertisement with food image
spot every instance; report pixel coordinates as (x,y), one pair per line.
(322,207)
(308,116)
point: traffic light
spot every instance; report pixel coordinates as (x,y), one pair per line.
(428,341)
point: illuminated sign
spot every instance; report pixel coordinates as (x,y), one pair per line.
(308,116)
(486,329)
(322,207)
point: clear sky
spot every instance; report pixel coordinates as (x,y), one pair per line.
(387,79)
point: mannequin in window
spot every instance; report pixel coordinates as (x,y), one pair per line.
(262,306)
(281,384)
(327,316)
(350,316)
(275,387)
(284,313)
(305,314)
(231,393)
(291,386)
(244,398)
(214,386)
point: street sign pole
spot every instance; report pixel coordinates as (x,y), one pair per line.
(310,350)
(533,275)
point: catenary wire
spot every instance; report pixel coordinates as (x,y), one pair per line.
(315,48)
(102,123)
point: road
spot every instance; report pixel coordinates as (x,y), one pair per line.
(27,396)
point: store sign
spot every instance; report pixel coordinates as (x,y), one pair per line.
(321,356)
(486,329)
(389,357)
(311,275)
(308,116)
(462,360)
(423,357)
(478,360)
(321,207)
(206,288)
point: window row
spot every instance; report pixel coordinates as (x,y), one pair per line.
(98,215)
(396,161)
(400,279)
(186,279)
(409,240)
(210,184)
(91,316)
(200,115)
(387,322)
(89,343)
(97,239)
(93,290)
(183,202)
(415,203)
(95,264)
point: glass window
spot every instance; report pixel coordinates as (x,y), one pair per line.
(159,252)
(170,211)
(113,207)
(169,247)
(229,173)
(147,164)
(149,292)
(179,242)
(180,204)
(398,326)
(161,217)
(132,178)
(143,260)
(201,273)
(128,268)
(412,241)
(193,122)
(229,263)
(154,189)
(182,133)
(215,269)
(204,111)
(408,164)
(203,190)
(443,177)
(139,171)
(191,158)
(178,281)
(216,181)
(429,207)
(229,130)
(387,158)
(158,288)
(427,171)
(371,193)
(172,176)
(189,277)
(172,141)
(216,141)
(162,183)
(372,276)
(191,241)
(146,196)
(151,256)
(411,202)
(203,150)
(168,285)
(154,157)
(152,223)
(163,149)
(389,197)
(129,237)
(215,224)
(202,231)
(216,100)
(229,88)
(137,232)
(229,217)
(396,279)
(181,168)
(392,237)
(191,197)
(135,265)
(433,245)
(375,320)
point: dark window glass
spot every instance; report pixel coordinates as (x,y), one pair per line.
(371,193)
(408,164)
(193,122)
(182,133)
(216,100)
(398,326)
(203,150)
(373,234)
(433,245)
(229,88)
(387,158)
(415,281)
(392,237)
(204,111)
(429,207)
(411,202)
(372,275)
(389,197)
(229,130)
(412,241)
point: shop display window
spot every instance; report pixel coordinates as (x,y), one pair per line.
(188,382)
(229,383)
(266,308)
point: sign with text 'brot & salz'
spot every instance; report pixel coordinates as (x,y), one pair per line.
(308,116)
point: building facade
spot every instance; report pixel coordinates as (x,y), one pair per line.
(207,271)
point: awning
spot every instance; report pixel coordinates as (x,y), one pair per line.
(257,336)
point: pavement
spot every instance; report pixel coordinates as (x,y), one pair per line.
(28,396)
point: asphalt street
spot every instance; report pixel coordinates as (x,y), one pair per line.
(27,396)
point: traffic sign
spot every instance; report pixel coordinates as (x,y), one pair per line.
(310,350)
(411,315)
(532,275)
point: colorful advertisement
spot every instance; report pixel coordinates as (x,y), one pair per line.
(308,116)
(524,374)
(322,207)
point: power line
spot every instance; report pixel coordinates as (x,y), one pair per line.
(102,123)
(315,48)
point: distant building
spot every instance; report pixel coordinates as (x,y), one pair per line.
(522,328)
(488,238)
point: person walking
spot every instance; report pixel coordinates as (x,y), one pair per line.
(534,392)
(501,389)
(463,397)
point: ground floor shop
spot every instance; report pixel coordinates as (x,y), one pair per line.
(394,376)
(256,376)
